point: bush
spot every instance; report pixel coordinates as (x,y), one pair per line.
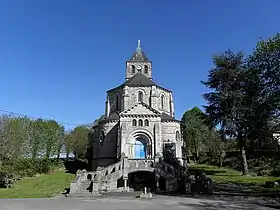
(6,180)
(275,165)
(29,167)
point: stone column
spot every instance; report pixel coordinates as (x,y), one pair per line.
(125,184)
(99,177)
(157,157)
(125,172)
(107,108)
(153,98)
(157,176)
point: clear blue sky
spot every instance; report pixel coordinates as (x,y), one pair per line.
(58,57)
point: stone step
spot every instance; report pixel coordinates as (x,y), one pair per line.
(84,195)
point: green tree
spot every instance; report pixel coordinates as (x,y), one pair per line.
(263,89)
(226,103)
(37,137)
(61,140)
(51,137)
(79,140)
(216,146)
(196,130)
(13,139)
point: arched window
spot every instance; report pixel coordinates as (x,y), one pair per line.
(146,122)
(134,122)
(140,97)
(117,102)
(177,136)
(133,69)
(146,69)
(102,137)
(162,102)
(140,122)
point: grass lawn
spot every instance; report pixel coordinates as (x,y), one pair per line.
(41,186)
(225,175)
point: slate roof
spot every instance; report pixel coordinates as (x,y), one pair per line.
(112,116)
(165,116)
(139,80)
(139,55)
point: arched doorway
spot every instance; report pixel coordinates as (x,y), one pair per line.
(140,179)
(140,148)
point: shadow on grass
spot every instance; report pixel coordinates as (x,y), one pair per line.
(199,170)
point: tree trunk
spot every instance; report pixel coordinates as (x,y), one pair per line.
(245,169)
(220,160)
(58,155)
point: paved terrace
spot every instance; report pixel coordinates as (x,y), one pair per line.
(122,201)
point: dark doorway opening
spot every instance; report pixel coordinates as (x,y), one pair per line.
(162,184)
(120,182)
(141,179)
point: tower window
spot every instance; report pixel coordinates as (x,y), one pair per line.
(102,137)
(140,123)
(177,135)
(146,122)
(134,122)
(133,69)
(117,102)
(140,97)
(146,69)
(162,102)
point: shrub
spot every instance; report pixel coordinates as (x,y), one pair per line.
(29,167)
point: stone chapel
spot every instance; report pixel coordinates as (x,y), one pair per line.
(139,120)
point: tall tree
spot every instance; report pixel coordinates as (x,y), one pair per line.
(263,89)
(226,106)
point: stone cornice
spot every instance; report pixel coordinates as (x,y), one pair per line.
(122,86)
(140,115)
(171,120)
(109,121)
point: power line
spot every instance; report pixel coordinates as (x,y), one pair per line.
(35,118)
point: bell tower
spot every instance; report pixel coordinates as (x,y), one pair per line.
(138,63)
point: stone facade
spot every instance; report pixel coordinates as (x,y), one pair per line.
(139,118)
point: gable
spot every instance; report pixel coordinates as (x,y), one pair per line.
(140,109)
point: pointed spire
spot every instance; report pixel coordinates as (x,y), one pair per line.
(139,55)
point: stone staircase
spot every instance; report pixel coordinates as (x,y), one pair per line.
(106,179)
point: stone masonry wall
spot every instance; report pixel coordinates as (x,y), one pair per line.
(131,96)
(128,130)
(169,133)
(129,72)
(151,96)
(107,150)
(112,103)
